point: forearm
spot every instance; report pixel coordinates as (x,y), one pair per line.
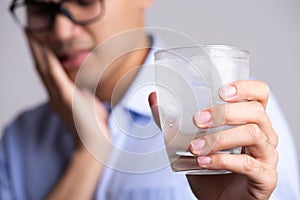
(80,178)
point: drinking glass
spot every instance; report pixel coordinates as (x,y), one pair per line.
(188,79)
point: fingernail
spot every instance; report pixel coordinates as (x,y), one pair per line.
(206,160)
(197,145)
(227,92)
(202,117)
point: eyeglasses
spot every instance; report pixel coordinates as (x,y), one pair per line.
(39,16)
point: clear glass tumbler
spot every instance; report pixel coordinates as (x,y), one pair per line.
(188,79)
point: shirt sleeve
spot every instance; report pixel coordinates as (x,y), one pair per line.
(5,182)
(288,171)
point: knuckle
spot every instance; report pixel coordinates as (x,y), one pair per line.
(266,89)
(275,140)
(227,114)
(258,107)
(254,132)
(260,113)
(243,87)
(249,164)
(242,83)
(273,179)
(222,161)
(220,143)
(245,84)
(275,157)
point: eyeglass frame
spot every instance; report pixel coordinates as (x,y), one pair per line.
(57,9)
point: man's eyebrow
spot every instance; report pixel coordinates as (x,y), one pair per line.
(43,1)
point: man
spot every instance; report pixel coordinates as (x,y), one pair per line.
(43,153)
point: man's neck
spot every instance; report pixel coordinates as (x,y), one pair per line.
(124,70)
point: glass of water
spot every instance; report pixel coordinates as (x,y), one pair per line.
(188,79)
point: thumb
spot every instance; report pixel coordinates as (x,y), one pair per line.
(152,99)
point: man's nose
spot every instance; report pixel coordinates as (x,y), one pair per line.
(64,29)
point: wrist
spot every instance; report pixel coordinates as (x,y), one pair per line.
(82,156)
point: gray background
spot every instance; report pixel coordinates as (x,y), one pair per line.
(269,29)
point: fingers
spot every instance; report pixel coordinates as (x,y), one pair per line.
(39,57)
(52,73)
(241,164)
(37,51)
(59,77)
(236,114)
(253,131)
(249,136)
(248,100)
(249,90)
(256,134)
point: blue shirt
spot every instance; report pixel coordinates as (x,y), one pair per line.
(36,148)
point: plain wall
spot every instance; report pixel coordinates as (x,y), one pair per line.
(269,29)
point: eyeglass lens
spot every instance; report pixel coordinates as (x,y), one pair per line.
(39,15)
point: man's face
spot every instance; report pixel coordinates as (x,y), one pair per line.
(72,43)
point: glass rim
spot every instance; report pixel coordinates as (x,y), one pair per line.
(242,53)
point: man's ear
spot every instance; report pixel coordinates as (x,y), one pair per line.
(145,3)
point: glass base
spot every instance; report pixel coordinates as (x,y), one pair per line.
(207,172)
(185,162)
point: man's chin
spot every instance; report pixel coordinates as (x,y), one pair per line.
(81,81)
